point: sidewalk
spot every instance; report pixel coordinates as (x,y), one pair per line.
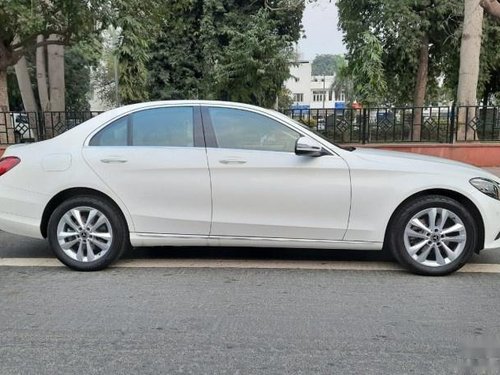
(495,170)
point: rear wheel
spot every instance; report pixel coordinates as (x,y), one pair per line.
(87,233)
(433,235)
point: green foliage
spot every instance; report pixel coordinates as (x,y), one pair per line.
(399,27)
(139,22)
(176,64)
(255,62)
(77,78)
(489,78)
(224,49)
(368,73)
(328,65)
(285,98)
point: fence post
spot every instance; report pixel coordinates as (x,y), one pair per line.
(452,124)
(363,129)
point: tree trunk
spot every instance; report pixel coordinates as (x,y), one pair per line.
(4,96)
(420,87)
(6,131)
(470,51)
(491,7)
(55,62)
(55,59)
(24,82)
(41,76)
(28,96)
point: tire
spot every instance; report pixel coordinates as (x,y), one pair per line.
(95,245)
(423,244)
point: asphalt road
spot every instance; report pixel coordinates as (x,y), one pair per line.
(244,321)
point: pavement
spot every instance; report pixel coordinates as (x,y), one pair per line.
(244,311)
(201,310)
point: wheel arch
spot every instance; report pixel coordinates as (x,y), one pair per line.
(69,193)
(469,205)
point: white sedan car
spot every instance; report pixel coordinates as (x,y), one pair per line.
(201,173)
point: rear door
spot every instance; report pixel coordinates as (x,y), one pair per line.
(155,162)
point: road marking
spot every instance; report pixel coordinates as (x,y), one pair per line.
(242,264)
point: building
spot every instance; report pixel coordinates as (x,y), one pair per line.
(312,92)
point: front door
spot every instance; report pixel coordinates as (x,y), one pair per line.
(261,188)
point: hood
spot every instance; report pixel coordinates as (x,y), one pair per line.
(417,162)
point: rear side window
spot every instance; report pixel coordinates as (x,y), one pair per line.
(168,127)
(115,134)
(163,127)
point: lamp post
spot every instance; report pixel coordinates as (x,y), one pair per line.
(324,91)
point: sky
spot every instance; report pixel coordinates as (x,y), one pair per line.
(322,36)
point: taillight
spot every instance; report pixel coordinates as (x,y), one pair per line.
(7,163)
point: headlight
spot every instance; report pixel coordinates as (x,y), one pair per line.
(488,187)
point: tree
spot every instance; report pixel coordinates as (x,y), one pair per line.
(469,62)
(25,24)
(417,38)
(176,67)
(368,77)
(225,49)
(328,65)
(253,65)
(491,7)
(489,76)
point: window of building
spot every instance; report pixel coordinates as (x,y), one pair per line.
(298,97)
(318,96)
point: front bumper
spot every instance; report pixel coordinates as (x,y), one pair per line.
(490,212)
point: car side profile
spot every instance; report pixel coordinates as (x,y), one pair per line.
(209,173)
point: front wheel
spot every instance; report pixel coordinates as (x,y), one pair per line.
(433,235)
(87,233)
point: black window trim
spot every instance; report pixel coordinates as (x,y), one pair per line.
(208,129)
(198,130)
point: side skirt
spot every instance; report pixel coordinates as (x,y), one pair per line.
(158,239)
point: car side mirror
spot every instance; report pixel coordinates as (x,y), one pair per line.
(309,147)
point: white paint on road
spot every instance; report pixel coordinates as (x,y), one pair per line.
(244,264)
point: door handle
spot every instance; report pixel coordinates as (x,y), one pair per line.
(113,161)
(232,161)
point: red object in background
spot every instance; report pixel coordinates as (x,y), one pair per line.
(356,105)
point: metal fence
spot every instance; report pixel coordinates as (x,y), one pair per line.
(349,125)
(404,124)
(25,127)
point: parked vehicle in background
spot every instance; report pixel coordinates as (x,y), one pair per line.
(202,173)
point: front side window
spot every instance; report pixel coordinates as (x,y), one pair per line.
(240,129)
(168,127)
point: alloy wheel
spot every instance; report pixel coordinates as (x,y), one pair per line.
(435,237)
(84,234)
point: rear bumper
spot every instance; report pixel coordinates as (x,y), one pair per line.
(21,211)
